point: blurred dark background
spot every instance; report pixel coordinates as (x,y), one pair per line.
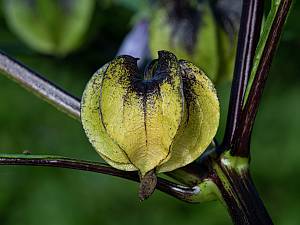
(33,196)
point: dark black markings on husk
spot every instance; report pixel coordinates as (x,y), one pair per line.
(111,68)
(157,72)
(146,85)
(187,82)
(185,21)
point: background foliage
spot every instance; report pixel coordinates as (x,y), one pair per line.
(55,196)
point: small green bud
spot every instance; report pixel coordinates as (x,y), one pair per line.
(152,122)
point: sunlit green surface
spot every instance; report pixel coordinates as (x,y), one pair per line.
(31,196)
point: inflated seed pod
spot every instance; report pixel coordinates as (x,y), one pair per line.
(204,32)
(151,122)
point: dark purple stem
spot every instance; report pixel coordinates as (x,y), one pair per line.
(241,197)
(181,192)
(241,146)
(249,32)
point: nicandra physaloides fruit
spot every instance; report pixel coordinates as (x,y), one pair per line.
(151,122)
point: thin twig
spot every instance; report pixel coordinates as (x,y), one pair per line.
(250,26)
(40,86)
(241,147)
(181,192)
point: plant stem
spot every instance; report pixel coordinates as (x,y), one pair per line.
(40,86)
(250,26)
(241,146)
(181,192)
(237,191)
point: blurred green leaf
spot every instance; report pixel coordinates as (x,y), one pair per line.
(49,26)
